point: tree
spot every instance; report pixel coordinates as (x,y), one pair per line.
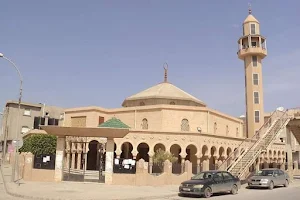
(161,156)
(39,144)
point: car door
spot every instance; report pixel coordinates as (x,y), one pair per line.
(218,185)
(281,177)
(276,178)
(228,181)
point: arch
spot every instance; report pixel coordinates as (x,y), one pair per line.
(142,103)
(279,154)
(274,153)
(145,124)
(236,152)
(92,155)
(185,125)
(159,146)
(212,160)
(270,154)
(172,103)
(175,149)
(126,149)
(143,150)
(204,150)
(215,127)
(221,153)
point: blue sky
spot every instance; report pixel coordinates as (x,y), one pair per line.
(75,53)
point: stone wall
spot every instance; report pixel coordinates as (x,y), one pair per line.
(143,178)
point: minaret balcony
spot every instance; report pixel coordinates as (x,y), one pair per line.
(252,51)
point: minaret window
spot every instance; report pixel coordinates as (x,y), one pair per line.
(252,29)
(256,97)
(255,79)
(254,61)
(145,124)
(185,125)
(256,116)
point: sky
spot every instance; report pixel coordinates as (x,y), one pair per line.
(75,53)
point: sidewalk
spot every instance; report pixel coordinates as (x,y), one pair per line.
(84,191)
(88,191)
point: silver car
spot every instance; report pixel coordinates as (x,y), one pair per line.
(269,178)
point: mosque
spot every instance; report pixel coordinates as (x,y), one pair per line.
(168,118)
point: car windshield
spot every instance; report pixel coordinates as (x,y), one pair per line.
(203,176)
(265,173)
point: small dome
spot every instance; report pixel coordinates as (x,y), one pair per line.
(251,18)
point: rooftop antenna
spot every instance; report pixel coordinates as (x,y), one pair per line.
(166,72)
(249,9)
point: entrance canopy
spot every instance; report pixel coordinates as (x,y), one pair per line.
(105,132)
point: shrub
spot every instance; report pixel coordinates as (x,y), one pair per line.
(39,144)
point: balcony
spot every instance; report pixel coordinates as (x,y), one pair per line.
(252,50)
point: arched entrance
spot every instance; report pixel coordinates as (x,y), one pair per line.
(92,155)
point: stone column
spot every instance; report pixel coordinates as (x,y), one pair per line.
(257,164)
(183,156)
(198,164)
(150,164)
(59,160)
(289,152)
(109,160)
(206,163)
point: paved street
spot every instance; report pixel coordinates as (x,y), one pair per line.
(290,193)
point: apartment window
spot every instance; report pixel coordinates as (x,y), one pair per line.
(254,61)
(27,112)
(24,129)
(253,29)
(185,125)
(256,114)
(256,97)
(255,79)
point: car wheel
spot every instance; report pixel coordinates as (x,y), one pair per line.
(207,192)
(234,190)
(271,186)
(286,183)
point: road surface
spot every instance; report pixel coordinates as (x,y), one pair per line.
(290,193)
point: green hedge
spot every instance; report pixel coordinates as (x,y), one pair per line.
(39,144)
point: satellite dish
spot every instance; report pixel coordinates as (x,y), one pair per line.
(280,109)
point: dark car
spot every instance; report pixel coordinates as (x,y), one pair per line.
(269,178)
(209,182)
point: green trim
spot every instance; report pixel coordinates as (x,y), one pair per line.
(113,123)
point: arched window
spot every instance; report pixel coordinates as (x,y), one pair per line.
(185,125)
(227,130)
(215,128)
(145,124)
(142,103)
(172,103)
(237,132)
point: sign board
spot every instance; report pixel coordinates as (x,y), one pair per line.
(18,143)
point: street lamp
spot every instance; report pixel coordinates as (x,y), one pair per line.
(16,137)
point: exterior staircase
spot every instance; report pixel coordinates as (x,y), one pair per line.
(237,163)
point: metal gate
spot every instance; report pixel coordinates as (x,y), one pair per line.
(76,166)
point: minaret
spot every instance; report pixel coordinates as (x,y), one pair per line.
(252,50)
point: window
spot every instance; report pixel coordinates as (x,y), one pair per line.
(218,176)
(256,114)
(254,61)
(253,44)
(255,79)
(256,97)
(185,125)
(145,124)
(280,173)
(237,132)
(25,129)
(227,130)
(27,112)
(227,176)
(215,128)
(253,29)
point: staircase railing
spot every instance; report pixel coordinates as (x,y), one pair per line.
(231,159)
(256,148)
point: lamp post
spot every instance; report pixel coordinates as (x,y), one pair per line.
(16,137)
